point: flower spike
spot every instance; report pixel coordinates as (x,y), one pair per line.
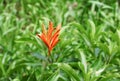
(50,36)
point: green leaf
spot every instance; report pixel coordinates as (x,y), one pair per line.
(93,29)
(54,76)
(83,59)
(9,30)
(70,71)
(79,27)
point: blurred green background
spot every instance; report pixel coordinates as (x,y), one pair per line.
(89,47)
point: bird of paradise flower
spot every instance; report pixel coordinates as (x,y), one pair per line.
(50,36)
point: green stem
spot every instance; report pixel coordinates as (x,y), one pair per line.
(49,52)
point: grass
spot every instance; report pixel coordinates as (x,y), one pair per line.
(89,40)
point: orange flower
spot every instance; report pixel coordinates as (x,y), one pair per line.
(50,36)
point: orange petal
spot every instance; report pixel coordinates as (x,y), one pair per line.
(43,39)
(54,43)
(50,30)
(56,34)
(50,27)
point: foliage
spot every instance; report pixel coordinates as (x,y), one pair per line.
(89,40)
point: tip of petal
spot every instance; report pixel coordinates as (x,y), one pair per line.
(50,22)
(58,27)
